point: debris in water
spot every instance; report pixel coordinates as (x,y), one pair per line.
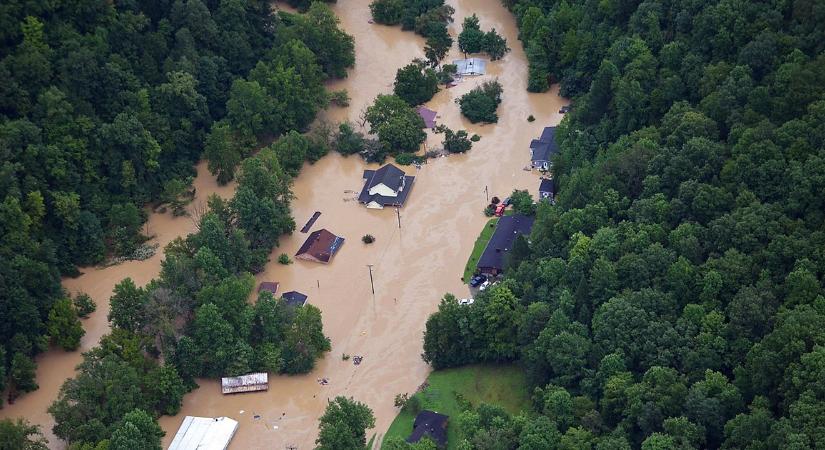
(274,427)
(257,417)
(241,412)
(357,359)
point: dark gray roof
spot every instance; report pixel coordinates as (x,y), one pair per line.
(507,229)
(545,146)
(430,424)
(294,298)
(547,185)
(391,177)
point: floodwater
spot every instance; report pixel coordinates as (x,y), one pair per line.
(413,266)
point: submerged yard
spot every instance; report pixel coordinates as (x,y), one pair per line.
(505,386)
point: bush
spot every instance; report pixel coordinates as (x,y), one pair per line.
(368,239)
(454,142)
(475,138)
(530,118)
(405,159)
(84,304)
(447,73)
(416,83)
(480,104)
(339,98)
(283,258)
(387,12)
(347,140)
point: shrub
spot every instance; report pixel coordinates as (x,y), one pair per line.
(84,304)
(347,140)
(405,159)
(283,258)
(475,138)
(368,239)
(480,104)
(530,118)
(454,142)
(339,98)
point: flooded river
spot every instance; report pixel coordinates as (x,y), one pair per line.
(413,266)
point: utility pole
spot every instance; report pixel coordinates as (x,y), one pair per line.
(487,193)
(398,213)
(371,282)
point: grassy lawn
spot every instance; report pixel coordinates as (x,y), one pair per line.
(478,248)
(500,385)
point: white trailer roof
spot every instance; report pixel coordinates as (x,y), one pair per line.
(471,66)
(204,433)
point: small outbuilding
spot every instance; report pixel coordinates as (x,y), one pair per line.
(294,299)
(268,286)
(251,382)
(547,190)
(387,186)
(543,149)
(470,66)
(320,246)
(428,115)
(204,433)
(508,228)
(432,425)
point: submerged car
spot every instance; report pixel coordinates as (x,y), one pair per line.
(477,280)
(484,285)
(466,301)
(564,109)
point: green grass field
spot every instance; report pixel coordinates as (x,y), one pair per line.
(500,385)
(478,248)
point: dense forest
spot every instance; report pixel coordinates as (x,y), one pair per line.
(672,298)
(104,109)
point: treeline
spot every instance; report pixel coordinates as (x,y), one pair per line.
(106,107)
(672,298)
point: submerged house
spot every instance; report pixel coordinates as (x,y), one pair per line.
(470,66)
(493,259)
(320,246)
(268,286)
(547,190)
(543,149)
(387,186)
(427,115)
(294,298)
(245,383)
(432,425)
(204,433)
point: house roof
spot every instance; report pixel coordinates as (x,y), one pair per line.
(547,185)
(545,146)
(428,115)
(294,298)
(250,382)
(430,424)
(204,433)
(507,229)
(321,245)
(471,66)
(390,176)
(269,286)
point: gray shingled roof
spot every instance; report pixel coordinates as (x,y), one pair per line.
(507,228)
(545,146)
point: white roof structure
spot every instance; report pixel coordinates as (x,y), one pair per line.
(204,433)
(245,383)
(471,66)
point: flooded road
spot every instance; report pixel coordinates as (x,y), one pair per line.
(412,266)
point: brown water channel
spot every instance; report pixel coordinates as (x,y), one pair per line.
(413,266)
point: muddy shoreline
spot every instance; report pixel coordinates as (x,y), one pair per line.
(413,266)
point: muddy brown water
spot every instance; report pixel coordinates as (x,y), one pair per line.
(412,266)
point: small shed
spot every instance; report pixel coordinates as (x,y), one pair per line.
(204,433)
(470,66)
(294,298)
(428,115)
(432,425)
(269,286)
(245,383)
(320,246)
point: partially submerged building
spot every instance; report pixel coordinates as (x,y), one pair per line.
(251,382)
(432,425)
(493,260)
(470,66)
(543,149)
(320,246)
(268,286)
(427,115)
(547,190)
(204,433)
(294,299)
(387,186)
